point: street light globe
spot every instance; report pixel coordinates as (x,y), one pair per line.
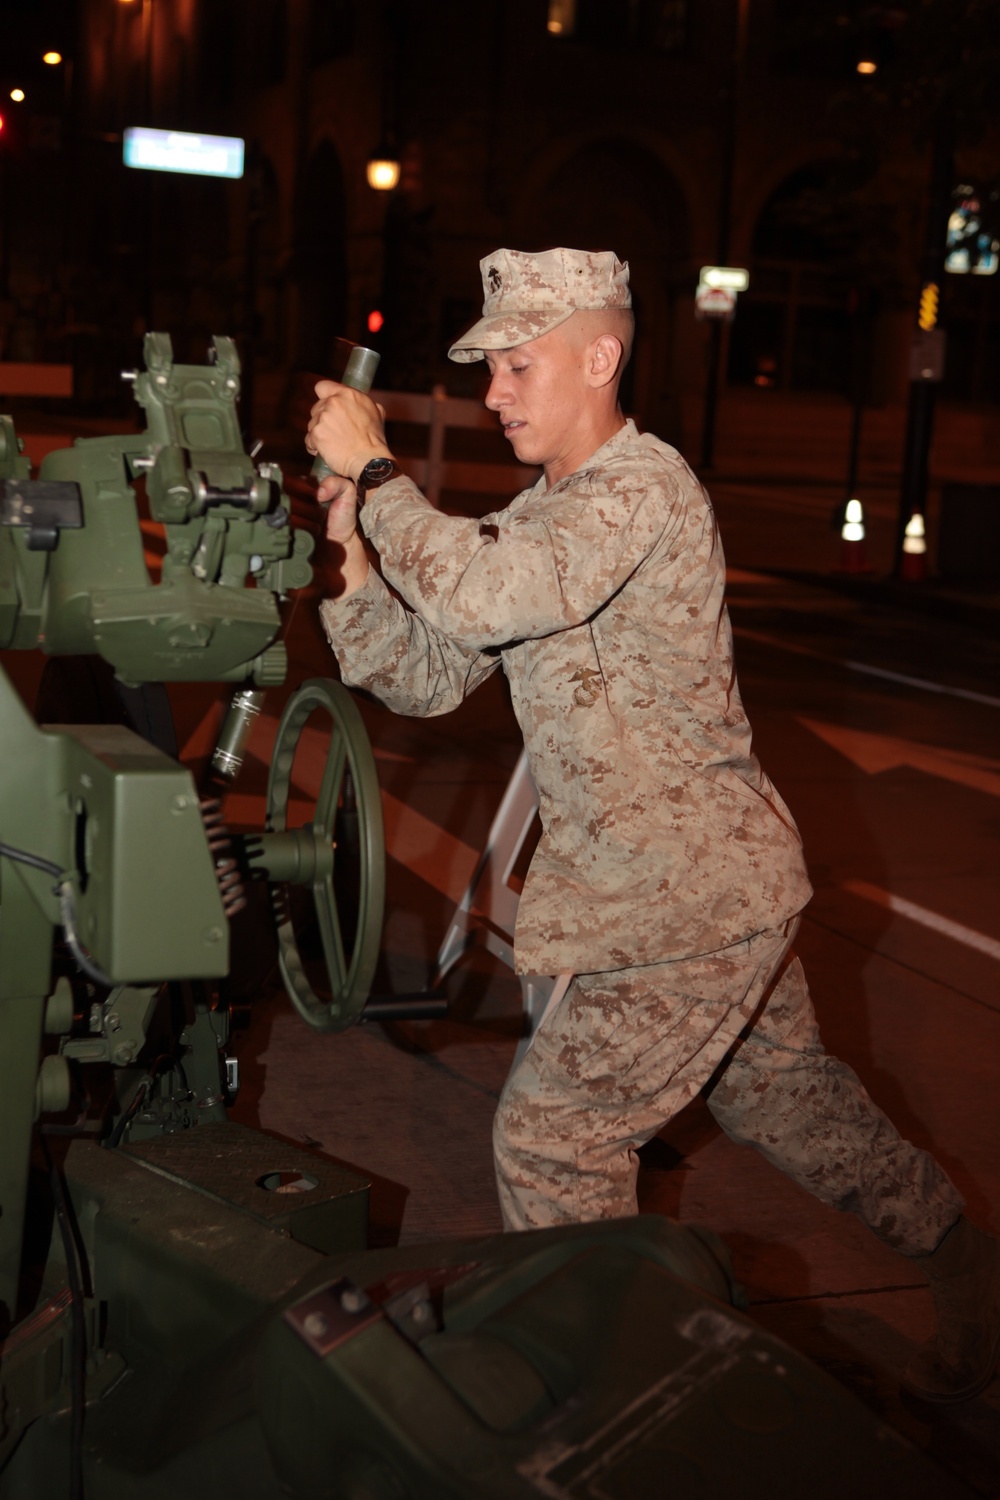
(17,95)
(382,173)
(52,58)
(867,66)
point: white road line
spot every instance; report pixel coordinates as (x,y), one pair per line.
(860,666)
(921,682)
(966,935)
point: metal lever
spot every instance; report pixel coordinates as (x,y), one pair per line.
(359,374)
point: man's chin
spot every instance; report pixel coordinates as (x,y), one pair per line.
(521,445)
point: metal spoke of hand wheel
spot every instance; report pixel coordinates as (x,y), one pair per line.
(340,856)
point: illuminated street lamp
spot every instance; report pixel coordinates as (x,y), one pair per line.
(17,95)
(382,170)
(52,58)
(867,66)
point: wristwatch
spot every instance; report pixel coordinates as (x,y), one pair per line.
(375,472)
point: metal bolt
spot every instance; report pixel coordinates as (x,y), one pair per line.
(353,1300)
(315,1325)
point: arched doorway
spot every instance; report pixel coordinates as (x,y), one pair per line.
(320,259)
(794,327)
(617,195)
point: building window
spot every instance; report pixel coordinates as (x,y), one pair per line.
(216,53)
(271,44)
(331,30)
(649,25)
(562,17)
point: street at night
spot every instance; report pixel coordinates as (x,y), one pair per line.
(373,375)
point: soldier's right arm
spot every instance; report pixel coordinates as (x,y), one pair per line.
(379,644)
(396,656)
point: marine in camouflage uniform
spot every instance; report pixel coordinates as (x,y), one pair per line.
(669,876)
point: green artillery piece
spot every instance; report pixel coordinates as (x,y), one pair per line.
(223,520)
(187,1307)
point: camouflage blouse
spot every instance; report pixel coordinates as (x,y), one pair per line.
(602,598)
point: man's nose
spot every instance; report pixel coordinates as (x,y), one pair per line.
(496,396)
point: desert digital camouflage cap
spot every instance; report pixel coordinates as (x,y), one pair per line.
(527,295)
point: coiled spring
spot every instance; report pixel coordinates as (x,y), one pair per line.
(227,870)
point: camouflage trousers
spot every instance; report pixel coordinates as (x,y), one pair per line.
(624,1051)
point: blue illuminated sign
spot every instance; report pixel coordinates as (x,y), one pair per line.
(180,151)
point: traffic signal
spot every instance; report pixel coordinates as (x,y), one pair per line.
(928,315)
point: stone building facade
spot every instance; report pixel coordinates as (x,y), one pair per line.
(670,131)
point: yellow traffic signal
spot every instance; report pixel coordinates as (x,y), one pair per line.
(928,314)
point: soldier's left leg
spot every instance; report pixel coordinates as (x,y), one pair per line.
(810,1115)
(618,1056)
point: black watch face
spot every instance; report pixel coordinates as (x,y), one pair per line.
(377,471)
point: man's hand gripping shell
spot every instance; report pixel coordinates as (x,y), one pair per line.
(346,430)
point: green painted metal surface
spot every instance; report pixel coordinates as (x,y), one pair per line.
(349,777)
(595,1361)
(225,522)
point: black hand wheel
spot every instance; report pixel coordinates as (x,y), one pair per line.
(348,818)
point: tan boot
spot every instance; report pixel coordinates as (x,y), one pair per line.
(961,1358)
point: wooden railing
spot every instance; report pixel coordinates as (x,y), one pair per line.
(35,380)
(437,412)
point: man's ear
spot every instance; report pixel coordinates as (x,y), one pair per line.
(604,360)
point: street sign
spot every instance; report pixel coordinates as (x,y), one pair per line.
(729,278)
(180,151)
(715,302)
(927,355)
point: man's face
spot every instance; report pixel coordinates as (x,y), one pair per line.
(542,399)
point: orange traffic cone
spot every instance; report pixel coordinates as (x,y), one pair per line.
(852,540)
(913,564)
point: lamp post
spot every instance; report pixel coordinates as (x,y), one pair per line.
(927,352)
(725,218)
(147,190)
(382,170)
